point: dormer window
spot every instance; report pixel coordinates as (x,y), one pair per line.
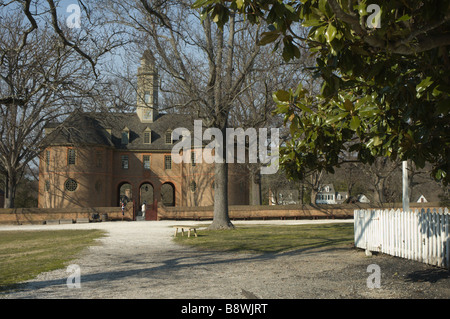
(147,136)
(169,137)
(125,136)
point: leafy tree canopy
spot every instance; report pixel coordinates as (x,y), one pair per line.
(386,79)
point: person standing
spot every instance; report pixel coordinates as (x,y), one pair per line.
(144,208)
(123,209)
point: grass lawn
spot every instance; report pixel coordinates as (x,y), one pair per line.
(25,254)
(271,239)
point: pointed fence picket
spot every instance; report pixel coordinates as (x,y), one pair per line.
(421,235)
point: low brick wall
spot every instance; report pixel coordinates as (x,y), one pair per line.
(255,212)
(342,211)
(22,216)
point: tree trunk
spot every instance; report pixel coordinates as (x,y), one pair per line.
(221,218)
(10,192)
(255,188)
(316,178)
(314,193)
(378,192)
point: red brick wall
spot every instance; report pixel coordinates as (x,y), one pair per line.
(98,184)
(23,216)
(40,215)
(277,211)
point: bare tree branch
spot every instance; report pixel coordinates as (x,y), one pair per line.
(418,41)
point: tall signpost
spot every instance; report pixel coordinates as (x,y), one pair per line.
(405,187)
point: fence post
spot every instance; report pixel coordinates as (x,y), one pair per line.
(408,235)
(435,237)
(439,243)
(405,186)
(397,234)
(447,236)
(416,235)
(392,232)
(385,232)
(404,223)
(428,238)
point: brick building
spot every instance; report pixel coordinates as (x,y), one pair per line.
(97,159)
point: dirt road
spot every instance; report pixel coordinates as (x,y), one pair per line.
(140,260)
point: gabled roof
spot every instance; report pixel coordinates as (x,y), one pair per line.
(323,188)
(89,128)
(78,128)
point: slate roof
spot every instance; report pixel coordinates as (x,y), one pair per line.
(87,128)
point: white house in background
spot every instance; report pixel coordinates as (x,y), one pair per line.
(327,195)
(422,199)
(362,198)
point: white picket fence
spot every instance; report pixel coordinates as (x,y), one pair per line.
(420,235)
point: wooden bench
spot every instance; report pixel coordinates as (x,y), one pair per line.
(82,220)
(183,227)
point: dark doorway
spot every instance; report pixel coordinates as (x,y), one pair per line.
(168,194)
(146,196)
(125,193)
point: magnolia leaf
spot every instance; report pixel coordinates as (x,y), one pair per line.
(311,23)
(377,141)
(348,105)
(330,34)
(403,18)
(268,37)
(336,118)
(440,174)
(294,125)
(282,109)
(304,108)
(283,96)
(239,3)
(355,123)
(299,92)
(200,3)
(319,32)
(422,86)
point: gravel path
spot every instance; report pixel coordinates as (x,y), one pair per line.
(140,260)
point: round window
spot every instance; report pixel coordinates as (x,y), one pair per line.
(71,185)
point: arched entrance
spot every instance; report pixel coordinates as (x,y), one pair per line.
(146,193)
(125,193)
(168,194)
(146,196)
